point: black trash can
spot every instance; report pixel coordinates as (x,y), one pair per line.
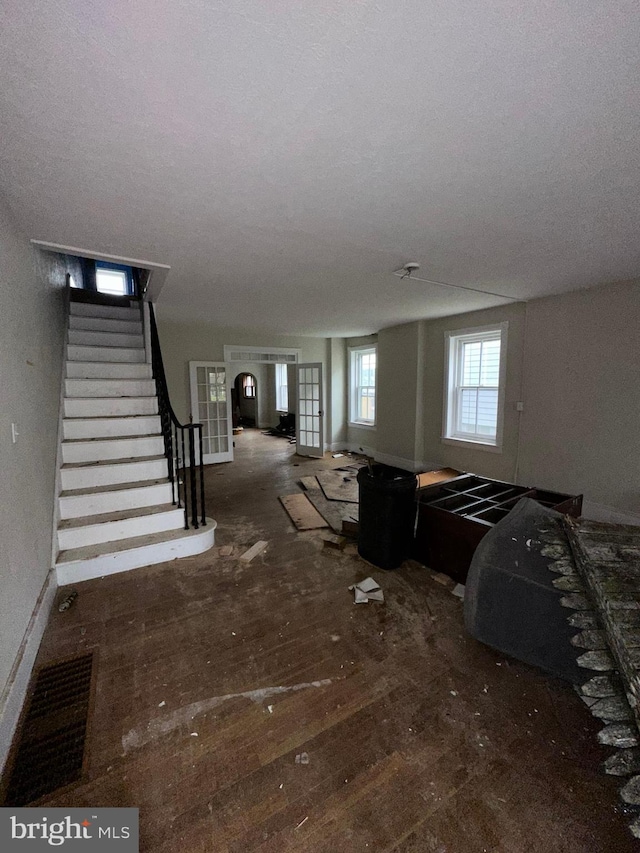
(387,515)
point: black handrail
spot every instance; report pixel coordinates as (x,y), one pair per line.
(176,449)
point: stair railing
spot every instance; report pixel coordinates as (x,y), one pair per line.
(182,444)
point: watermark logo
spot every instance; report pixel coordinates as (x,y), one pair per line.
(34,829)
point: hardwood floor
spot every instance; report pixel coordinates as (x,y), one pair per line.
(214,674)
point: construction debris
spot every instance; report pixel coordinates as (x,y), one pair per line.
(339,486)
(332,540)
(302,513)
(310,483)
(66,602)
(367,590)
(350,526)
(256,549)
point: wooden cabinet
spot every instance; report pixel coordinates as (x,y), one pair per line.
(454,516)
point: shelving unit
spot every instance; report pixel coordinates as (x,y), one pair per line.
(453,516)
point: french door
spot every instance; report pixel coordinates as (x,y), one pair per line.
(310,414)
(211,406)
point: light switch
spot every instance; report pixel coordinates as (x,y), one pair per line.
(14,433)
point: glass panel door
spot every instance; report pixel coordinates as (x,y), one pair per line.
(211,406)
(310,416)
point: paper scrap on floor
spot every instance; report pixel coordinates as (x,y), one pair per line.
(367,590)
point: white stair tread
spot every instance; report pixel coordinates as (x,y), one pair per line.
(112,438)
(121,515)
(115,388)
(103,417)
(91,552)
(113,487)
(108,462)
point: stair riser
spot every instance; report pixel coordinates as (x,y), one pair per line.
(100,451)
(113,531)
(104,339)
(86,309)
(114,354)
(105,324)
(107,407)
(108,475)
(108,564)
(109,388)
(100,502)
(109,427)
(107,370)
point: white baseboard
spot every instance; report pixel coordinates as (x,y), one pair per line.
(602,512)
(384,458)
(15,691)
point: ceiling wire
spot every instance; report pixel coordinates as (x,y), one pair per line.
(404,273)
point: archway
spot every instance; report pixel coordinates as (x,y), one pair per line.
(244,399)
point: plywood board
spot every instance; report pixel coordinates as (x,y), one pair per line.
(254,551)
(309,482)
(339,486)
(332,511)
(431,477)
(302,513)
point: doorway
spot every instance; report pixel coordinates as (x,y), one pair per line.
(244,400)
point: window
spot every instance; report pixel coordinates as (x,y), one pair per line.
(362,401)
(282,388)
(474,386)
(248,386)
(113,278)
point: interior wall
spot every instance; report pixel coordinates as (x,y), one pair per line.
(185,342)
(487,462)
(32,335)
(336,404)
(581,421)
(397,393)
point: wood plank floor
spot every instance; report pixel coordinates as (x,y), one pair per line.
(215,674)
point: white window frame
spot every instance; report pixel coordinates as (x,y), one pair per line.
(453,341)
(355,353)
(282,388)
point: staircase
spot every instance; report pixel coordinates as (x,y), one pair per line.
(116,504)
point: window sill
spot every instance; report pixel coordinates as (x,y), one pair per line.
(360,425)
(472,445)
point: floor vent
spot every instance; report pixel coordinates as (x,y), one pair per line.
(50,750)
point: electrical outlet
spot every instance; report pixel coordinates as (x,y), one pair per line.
(520,407)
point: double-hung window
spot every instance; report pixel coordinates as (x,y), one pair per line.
(475,365)
(248,386)
(362,396)
(282,388)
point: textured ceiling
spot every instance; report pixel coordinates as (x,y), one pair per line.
(284,157)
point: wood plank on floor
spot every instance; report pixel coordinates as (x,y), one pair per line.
(302,513)
(309,482)
(332,511)
(339,486)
